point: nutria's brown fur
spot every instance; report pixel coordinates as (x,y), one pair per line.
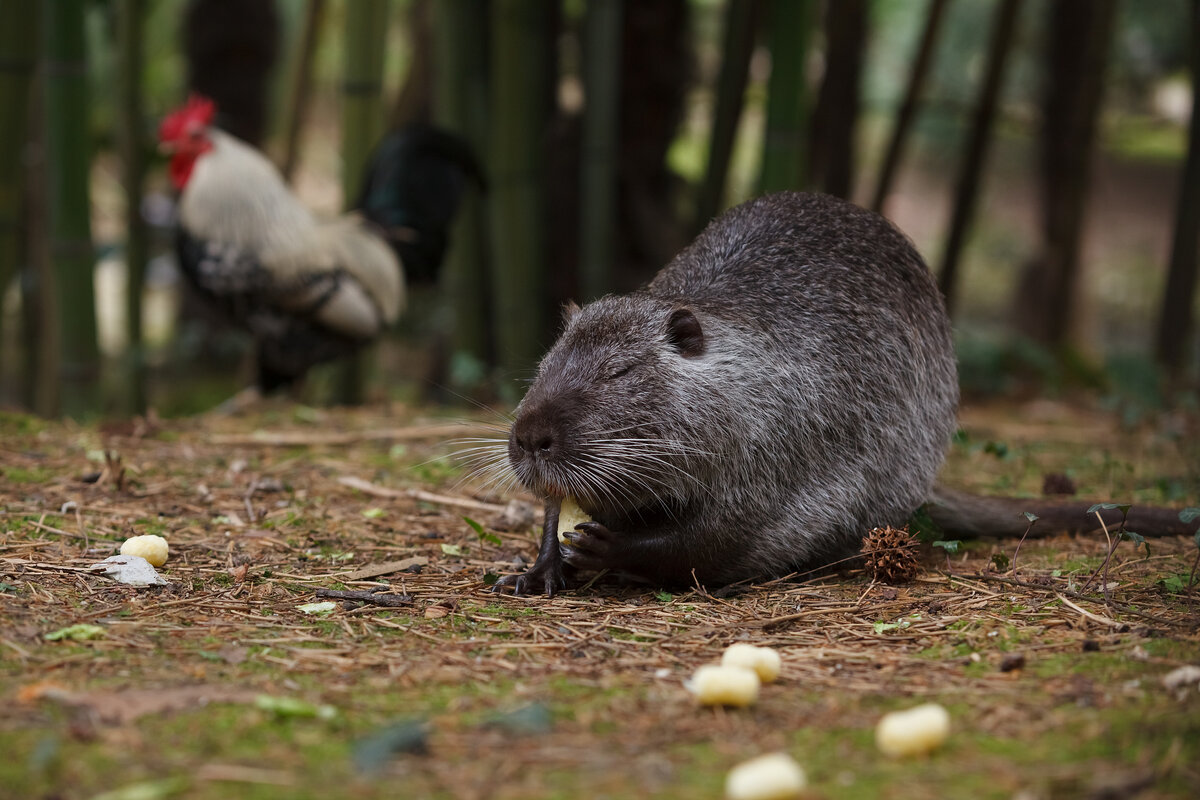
(785,384)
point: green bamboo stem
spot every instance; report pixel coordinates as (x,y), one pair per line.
(68,135)
(520,61)
(460,105)
(830,160)
(971,172)
(1078,42)
(789,28)
(741,26)
(362,89)
(300,87)
(362,125)
(601,135)
(133,168)
(1175,318)
(17,60)
(908,107)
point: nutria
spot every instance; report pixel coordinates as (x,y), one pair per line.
(785,384)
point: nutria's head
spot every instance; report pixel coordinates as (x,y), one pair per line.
(604,419)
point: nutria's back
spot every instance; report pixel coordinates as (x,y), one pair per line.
(783,385)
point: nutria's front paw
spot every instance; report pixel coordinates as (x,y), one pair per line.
(544,576)
(590,546)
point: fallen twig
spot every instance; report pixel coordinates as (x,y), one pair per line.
(366,487)
(367,596)
(303,438)
(375,570)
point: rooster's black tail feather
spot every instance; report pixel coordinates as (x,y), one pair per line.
(411,191)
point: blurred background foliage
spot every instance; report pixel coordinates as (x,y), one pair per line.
(610,130)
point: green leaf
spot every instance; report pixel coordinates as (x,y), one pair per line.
(1001,561)
(406,736)
(1189,514)
(883,627)
(306,414)
(79,632)
(483,534)
(949,545)
(318,608)
(292,707)
(664,597)
(452,549)
(147,790)
(1173,584)
(1102,507)
(532,719)
(922,524)
(373,513)
(998,449)
(1137,539)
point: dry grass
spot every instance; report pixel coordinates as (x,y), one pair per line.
(1054,691)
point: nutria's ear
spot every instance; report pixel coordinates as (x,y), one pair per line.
(569,310)
(684,333)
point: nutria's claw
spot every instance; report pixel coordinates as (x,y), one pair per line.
(589,546)
(551,578)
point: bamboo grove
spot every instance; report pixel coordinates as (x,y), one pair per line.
(575,204)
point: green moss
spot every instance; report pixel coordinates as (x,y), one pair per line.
(27,474)
(14,423)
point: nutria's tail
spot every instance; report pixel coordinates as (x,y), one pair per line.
(969,516)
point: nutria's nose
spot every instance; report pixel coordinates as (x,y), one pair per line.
(534,436)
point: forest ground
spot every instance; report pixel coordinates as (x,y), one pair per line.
(220,684)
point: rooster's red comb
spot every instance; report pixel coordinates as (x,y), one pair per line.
(197,112)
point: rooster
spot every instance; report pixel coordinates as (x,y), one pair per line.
(308,291)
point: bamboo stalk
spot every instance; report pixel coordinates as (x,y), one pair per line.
(300,87)
(460,67)
(741,27)
(39,302)
(789,28)
(362,89)
(17,60)
(831,153)
(1078,37)
(908,107)
(1175,317)
(68,134)
(971,172)
(601,134)
(520,60)
(130,15)
(362,125)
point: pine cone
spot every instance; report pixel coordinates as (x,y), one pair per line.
(891,554)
